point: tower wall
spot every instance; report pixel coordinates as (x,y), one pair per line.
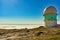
(50,17)
(51,23)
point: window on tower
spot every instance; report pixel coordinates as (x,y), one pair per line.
(51,18)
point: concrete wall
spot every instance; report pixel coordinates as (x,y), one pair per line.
(51,23)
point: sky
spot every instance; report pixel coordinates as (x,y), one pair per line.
(25,11)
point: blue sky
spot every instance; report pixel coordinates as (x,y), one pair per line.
(25,11)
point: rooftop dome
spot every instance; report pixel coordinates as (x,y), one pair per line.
(50,10)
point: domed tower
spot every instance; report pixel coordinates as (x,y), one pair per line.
(50,17)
